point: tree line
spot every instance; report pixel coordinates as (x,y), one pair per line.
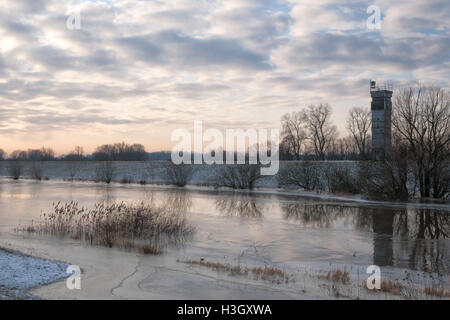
(309,134)
(107,152)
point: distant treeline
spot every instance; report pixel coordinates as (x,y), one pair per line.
(107,152)
(136,152)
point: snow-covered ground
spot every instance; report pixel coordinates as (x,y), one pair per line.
(19,273)
(149,171)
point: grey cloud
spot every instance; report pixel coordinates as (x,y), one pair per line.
(55,59)
(38,119)
(365,53)
(52,58)
(28,7)
(187,52)
(65,90)
(261,28)
(198,90)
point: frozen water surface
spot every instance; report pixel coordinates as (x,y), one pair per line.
(290,232)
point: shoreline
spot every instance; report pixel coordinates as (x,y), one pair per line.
(299,193)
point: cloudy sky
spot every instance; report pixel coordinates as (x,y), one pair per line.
(136,70)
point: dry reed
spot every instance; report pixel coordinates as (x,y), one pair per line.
(141,226)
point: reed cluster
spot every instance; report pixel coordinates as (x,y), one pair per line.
(138,225)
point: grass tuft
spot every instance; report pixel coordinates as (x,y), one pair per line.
(337,276)
(441,293)
(265,273)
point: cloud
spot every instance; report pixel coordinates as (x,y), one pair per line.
(178,50)
(139,69)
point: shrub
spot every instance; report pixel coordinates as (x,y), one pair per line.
(304,174)
(240,176)
(441,180)
(341,180)
(178,175)
(105,171)
(37,172)
(126,180)
(15,169)
(387,179)
(72,169)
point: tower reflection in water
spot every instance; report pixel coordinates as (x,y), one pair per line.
(407,238)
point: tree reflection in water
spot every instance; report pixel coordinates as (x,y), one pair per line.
(178,201)
(312,214)
(411,238)
(241,206)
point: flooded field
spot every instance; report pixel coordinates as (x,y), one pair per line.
(290,233)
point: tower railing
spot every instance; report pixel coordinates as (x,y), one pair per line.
(381,86)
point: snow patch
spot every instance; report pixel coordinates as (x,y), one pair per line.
(20,273)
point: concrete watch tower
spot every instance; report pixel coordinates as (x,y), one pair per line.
(381,119)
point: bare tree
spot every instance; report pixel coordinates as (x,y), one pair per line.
(18,155)
(105,171)
(3,154)
(387,179)
(359,122)
(342,149)
(321,131)
(37,172)
(120,152)
(43,154)
(72,170)
(77,154)
(304,174)
(240,176)
(78,151)
(15,169)
(293,132)
(179,175)
(421,119)
(341,180)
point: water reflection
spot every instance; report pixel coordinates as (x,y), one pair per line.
(286,228)
(178,201)
(426,224)
(172,200)
(383,229)
(312,214)
(240,206)
(105,194)
(409,238)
